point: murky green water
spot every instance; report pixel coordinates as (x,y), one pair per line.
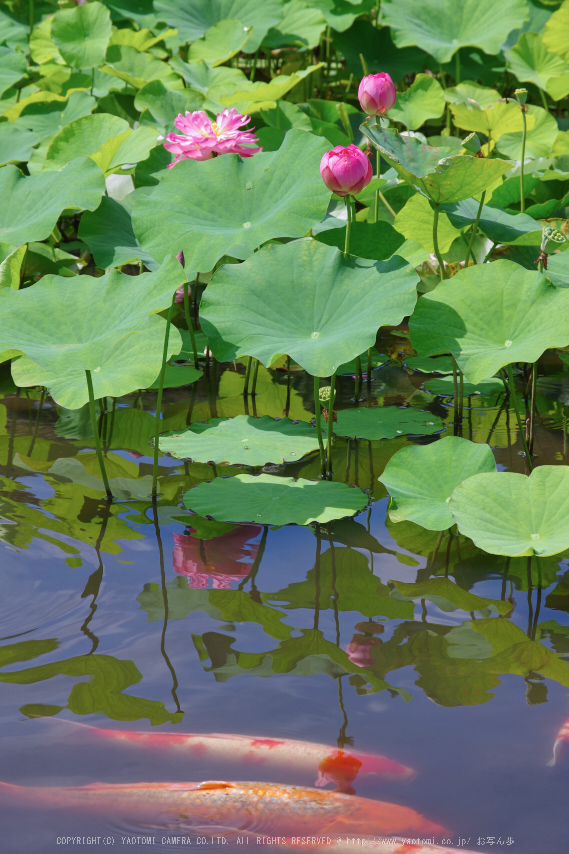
(123,618)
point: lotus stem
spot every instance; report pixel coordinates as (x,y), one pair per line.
(330,425)
(470,250)
(436,241)
(254,66)
(377,163)
(455,390)
(96,435)
(532,405)
(512,391)
(92,80)
(247,375)
(36,425)
(358,378)
(348,225)
(254,383)
(457,67)
(460,398)
(369,364)
(524,133)
(31,16)
(159,400)
(189,323)
(317,414)
(386,203)
(544,100)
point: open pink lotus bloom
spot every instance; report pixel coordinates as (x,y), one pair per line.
(359,649)
(223,559)
(377,94)
(200,138)
(346,170)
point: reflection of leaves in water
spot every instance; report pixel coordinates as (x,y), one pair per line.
(228,606)
(102,694)
(304,656)
(557,634)
(455,669)
(558,599)
(355,588)
(448,596)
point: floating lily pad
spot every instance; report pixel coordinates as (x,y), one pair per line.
(444,386)
(511,514)
(420,479)
(448,596)
(269,500)
(306,300)
(133,362)
(427,365)
(273,194)
(243,440)
(441,27)
(33,204)
(491,315)
(99,312)
(385,422)
(441,173)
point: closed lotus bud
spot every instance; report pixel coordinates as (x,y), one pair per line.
(552,240)
(346,171)
(180,257)
(377,94)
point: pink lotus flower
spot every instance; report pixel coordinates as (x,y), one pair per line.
(377,94)
(224,559)
(359,649)
(180,293)
(201,138)
(346,171)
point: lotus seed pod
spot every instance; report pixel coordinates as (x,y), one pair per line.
(552,240)
(324,394)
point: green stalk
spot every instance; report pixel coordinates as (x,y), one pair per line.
(96,436)
(377,163)
(532,405)
(247,375)
(436,241)
(469,251)
(544,100)
(386,203)
(317,414)
(512,391)
(358,378)
(254,383)
(92,79)
(369,364)
(455,389)
(189,323)
(461,397)
(330,425)
(457,67)
(522,194)
(348,224)
(159,399)
(254,67)
(31,15)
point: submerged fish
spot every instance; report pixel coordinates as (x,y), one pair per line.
(248,807)
(562,735)
(332,766)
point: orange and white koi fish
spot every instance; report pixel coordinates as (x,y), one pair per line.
(248,807)
(562,735)
(333,766)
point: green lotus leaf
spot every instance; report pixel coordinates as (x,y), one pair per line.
(243,440)
(472,95)
(423,100)
(440,173)
(491,315)
(385,422)
(165,104)
(16,143)
(273,194)
(321,308)
(496,223)
(558,269)
(500,118)
(252,97)
(176,376)
(286,116)
(380,54)
(341,14)
(375,240)
(220,42)
(137,69)
(300,27)
(201,78)
(193,19)
(511,514)
(47,118)
(140,39)
(556,32)
(269,500)
(133,362)
(441,27)
(12,68)
(420,479)
(449,596)
(82,34)
(10,268)
(32,205)
(108,233)
(539,138)
(42,48)
(531,61)
(82,335)
(444,386)
(351,367)
(415,222)
(441,365)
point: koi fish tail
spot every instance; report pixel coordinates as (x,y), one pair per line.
(8,789)
(552,761)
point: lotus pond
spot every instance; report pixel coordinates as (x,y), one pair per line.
(284,469)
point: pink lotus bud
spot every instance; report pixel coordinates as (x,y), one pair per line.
(180,293)
(346,171)
(180,257)
(377,94)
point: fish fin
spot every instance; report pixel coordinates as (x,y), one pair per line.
(552,761)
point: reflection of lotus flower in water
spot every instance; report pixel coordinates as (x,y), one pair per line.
(359,649)
(223,559)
